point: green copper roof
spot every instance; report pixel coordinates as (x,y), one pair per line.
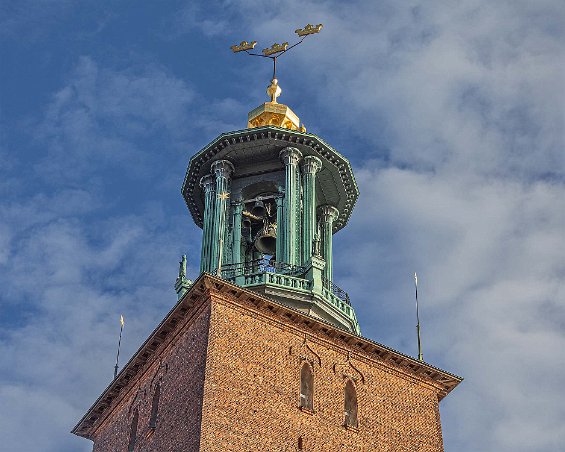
(250,148)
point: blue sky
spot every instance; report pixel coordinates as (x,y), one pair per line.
(452,114)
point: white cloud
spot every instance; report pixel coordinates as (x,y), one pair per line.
(65,282)
(489,257)
(105,118)
(20,408)
(74,254)
(193,16)
(31,20)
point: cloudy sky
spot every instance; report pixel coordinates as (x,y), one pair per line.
(451,112)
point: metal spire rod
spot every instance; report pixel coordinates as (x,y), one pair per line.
(420,356)
(119,344)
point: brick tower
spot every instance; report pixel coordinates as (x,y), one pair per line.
(263,351)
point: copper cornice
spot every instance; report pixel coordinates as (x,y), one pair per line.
(314,144)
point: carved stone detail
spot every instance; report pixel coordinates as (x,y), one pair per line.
(328,214)
(207,182)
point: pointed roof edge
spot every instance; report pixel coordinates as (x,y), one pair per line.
(446,381)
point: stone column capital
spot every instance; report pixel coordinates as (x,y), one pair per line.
(207,182)
(290,156)
(311,165)
(222,168)
(328,213)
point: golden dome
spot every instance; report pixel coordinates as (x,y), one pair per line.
(274,114)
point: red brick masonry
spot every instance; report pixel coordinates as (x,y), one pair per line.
(228,362)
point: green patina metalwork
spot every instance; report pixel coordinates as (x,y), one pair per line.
(311,167)
(280,195)
(309,284)
(307,143)
(182,284)
(207,183)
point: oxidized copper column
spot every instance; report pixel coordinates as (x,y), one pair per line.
(328,215)
(291,245)
(280,227)
(310,168)
(222,169)
(236,235)
(208,184)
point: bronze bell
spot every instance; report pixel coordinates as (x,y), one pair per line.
(266,239)
(258,209)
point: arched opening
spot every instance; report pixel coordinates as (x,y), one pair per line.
(155,406)
(350,405)
(133,431)
(306,387)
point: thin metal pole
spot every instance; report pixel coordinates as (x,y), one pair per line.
(420,356)
(274,68)
(119,344)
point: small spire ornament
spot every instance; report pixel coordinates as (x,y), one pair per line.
(274,90)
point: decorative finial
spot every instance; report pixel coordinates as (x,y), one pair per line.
(119,345)
(182,267)
(274,90)
(420,356)
(243,46)
(182,284)
(278,115)
(275,48)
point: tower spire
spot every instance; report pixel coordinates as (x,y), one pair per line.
(270,200)
(420,356)
(272,113)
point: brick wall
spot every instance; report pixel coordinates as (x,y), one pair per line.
(180,368)
(230,381)
(251,392)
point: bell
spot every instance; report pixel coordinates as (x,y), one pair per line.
(246,223)
(266,239)
(258,209)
